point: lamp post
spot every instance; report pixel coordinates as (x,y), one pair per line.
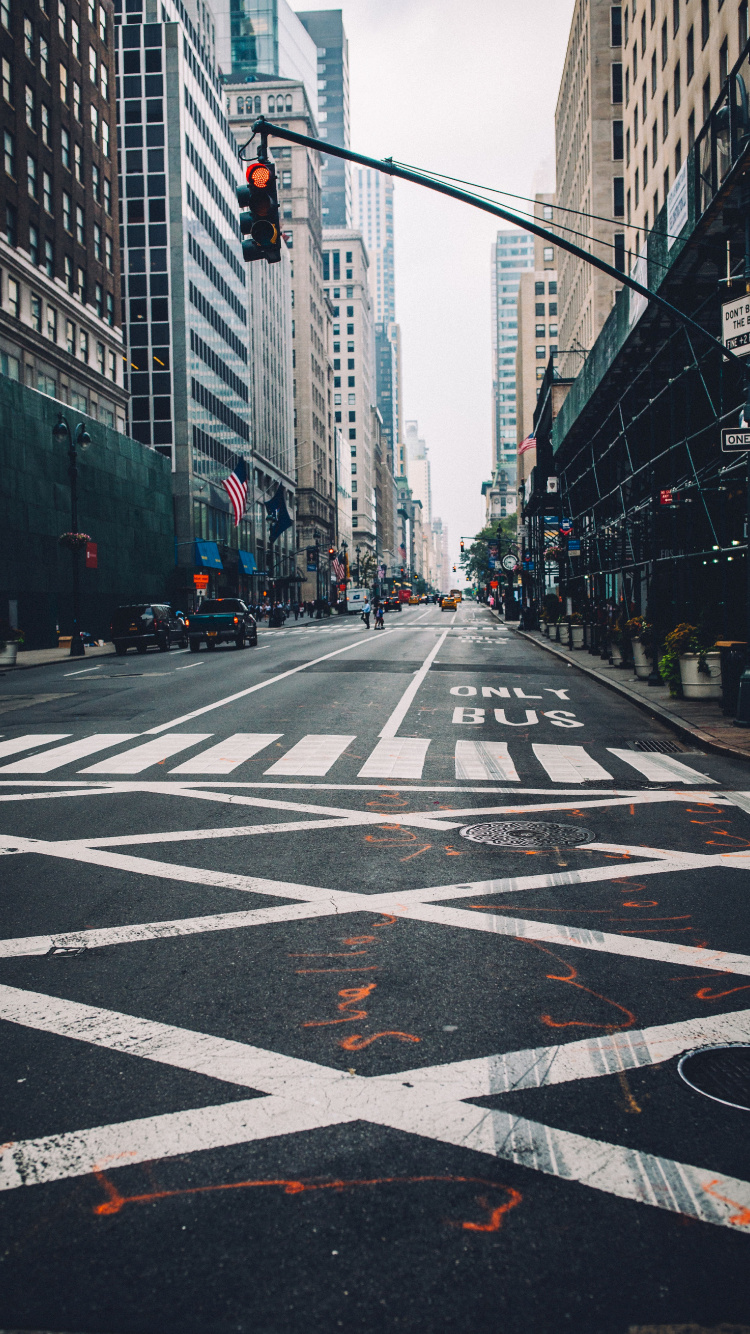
(357,549)
(60,432)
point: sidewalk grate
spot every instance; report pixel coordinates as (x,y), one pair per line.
(662,747)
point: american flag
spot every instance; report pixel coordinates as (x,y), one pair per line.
(235,486)
(338,567)
(528,443)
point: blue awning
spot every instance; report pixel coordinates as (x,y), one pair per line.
(247,562)
(207,556)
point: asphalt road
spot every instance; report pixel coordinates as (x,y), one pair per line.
(344,983)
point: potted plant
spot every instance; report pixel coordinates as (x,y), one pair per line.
(73,541)
(639,633)
(616,637)
(576,630)
(10,642)
(691,666)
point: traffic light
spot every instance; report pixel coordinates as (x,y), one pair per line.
(331,552)
(259,219)
(462,546)
(454,569)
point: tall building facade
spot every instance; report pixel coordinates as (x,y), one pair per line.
(60,311)
(589,164)
(184,280)
(675,61)
(537,323)
(512,255)
(326,28)
(373,216)
(299,188)
(345,275)
(258,38)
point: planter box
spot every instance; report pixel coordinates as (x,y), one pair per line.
(616,655)
(9,654)
(698,685)
(576,636)
(641,661)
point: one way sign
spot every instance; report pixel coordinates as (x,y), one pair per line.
(735,442)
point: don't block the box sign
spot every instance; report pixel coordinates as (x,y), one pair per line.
(735,325)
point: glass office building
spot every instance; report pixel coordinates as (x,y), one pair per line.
(326,28)
(512,253)
(255,38)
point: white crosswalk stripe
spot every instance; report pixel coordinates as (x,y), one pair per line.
(485,759)
(396,757)
(227,755)
(75,750)
(141,757)
(569,764)
(660,768)
(29,741)
(312,757)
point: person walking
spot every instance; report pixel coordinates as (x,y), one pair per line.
(366,613)
(379,621)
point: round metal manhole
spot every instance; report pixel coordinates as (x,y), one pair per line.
(719,1073)
(527,834)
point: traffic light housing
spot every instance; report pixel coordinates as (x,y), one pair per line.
(462,546)
(259,219)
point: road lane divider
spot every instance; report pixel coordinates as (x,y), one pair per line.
(402,708)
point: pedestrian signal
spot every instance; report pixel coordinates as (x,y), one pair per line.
(259,219)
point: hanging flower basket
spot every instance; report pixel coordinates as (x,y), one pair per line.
(73,541)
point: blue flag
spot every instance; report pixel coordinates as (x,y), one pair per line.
(279,514)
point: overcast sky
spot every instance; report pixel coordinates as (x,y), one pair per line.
(468,88)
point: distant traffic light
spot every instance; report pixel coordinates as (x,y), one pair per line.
(454,569)
(259,219)
(331,551)
(462,546)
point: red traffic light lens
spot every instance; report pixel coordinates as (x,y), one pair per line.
(259,175)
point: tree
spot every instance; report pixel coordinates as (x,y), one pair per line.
(368,566)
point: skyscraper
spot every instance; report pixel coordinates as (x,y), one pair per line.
(373,210)
(326,29)
(255,38)
(512,253)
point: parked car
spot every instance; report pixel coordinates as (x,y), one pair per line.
(145,625)
(221,621)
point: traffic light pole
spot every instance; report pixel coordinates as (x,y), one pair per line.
(267,129)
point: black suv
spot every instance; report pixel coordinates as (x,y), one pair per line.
(145,624)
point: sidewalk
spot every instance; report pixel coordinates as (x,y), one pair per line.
(41,657)
(698,721)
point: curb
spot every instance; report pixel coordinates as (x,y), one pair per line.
(677,725)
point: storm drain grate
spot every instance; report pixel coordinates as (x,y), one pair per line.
(661,747)
(526,834)
(720,1073)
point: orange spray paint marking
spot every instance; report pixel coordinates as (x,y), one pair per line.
(341,954)
(115,1201)
(742,1219)
(359,940)
(705,993)
(453,852)
(570,980)
(641,903)
(385,920)
(418,853)
(366,968)
(351,995)
(357,1043)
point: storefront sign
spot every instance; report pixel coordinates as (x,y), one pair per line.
(91,556)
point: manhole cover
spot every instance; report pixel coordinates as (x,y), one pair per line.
(720,1073)
(527,834)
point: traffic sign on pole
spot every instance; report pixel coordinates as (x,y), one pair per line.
(734,442)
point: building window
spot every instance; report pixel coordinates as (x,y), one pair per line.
(80,235)
(44,58)
(9,153)
(723,63)
(653,73)
(99,300)
(618,196)
(28,39)
(52,324)
(627,149)
(31,110)
(113,367)
(14,298)
(47,192)
(707,98)
(65,148)
(541,353)
(691,130)
(49,259)
(539,291)
(92,64)
(35,306)
(643,34)
(100,358)
(619,244)
(664,44)
(286,178)
(676,90)
(108,253)
(80,291)
(78,162)
(690,55)
(31,180)
(742,24)
(102,25)
(617,82)
(70,338)
(96,188)
(635,124)
(68,266)
(62,18)
(83,346)
(44,119)
(677,156)
(540,331)
(94,124)
(63,84)
(7,83)
(104,81)
(77,111)
(105,138)
(629,210)
(34,244)
(107,197)
(548,255)
(665,117)
(75,38)
(705,22)
(675,17)
(617,140)
(110,312)
(5,14)
(66,212)
(615,25)
(645,168)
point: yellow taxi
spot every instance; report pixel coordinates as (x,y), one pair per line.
(413,600)
(449,603)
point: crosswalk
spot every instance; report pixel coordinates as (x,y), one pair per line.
(316,754)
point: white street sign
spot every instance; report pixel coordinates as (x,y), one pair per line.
(735,325)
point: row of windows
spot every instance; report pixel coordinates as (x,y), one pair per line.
(44,318)
(209,139)
(539,291)
(219,409)
(228,212)
(247,105)
(218,365)
(212,273)
(198,300)
(69,30)
(195,204)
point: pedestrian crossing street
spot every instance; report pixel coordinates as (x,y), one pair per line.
(315,755)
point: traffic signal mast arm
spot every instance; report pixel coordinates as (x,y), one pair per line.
(265,129)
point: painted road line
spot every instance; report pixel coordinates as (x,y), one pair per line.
(569,764)
(485,759)
(261,685)
(82,671)
(228,754)
(313,756)
(587,1058)
(303,1096)
(660,768)
(151,752)
(634,947)
(75,750)
(402,708)
(396,757)
(30,741)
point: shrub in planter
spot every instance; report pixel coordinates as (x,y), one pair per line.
(683,639)
(73,541)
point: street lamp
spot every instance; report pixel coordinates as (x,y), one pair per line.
(61,432)
(357,549)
